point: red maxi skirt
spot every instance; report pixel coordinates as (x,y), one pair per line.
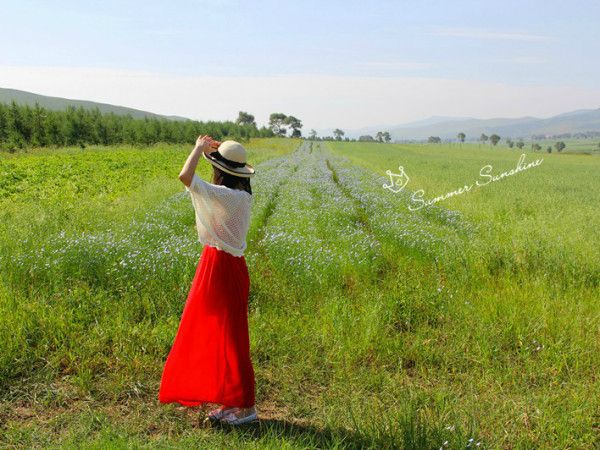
(209,361)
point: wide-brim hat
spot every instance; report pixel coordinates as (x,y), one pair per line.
(230,157)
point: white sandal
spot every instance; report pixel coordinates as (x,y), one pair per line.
(219,413)
(232,419)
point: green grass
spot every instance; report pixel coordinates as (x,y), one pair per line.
(371,326)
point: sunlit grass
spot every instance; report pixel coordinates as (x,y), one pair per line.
(473,323)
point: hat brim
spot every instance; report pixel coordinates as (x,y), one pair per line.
(245,172)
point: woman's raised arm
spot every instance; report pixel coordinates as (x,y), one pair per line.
(204,144)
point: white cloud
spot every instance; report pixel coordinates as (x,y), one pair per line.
(475,33)
(320,101)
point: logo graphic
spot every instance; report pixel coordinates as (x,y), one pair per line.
(397,180)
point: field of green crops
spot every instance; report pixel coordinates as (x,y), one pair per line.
(471,323)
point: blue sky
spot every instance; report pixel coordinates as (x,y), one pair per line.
(330,63)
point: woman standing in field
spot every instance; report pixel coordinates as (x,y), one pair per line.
(210,358)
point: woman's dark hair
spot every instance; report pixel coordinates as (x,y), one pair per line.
(231,181)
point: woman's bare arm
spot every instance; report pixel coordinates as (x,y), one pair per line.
(203,144)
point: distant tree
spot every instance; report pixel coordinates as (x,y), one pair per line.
(434,140)
(560,146)
(265,131)
(277,122)
(338,134)
(520,144)
(549,149)
(366,138)
(312,134)
(379,136)
(295,125)
(461,137)
(18,133)
(386,136)
(510,143)
(38,126)
(3,123)
(494,139)
(483,138)
(245,119)
(536,147)
(80,132)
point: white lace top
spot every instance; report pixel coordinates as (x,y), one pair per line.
(222,215)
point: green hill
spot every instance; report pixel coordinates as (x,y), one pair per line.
(59,103)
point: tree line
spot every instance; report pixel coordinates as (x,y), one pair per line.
(35,126)
(338,135)
(24,126)
(494,139)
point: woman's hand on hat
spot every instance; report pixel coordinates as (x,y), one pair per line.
(207,144)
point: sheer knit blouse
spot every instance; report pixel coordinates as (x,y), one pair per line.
(222,215)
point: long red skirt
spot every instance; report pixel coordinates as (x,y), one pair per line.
(209,361)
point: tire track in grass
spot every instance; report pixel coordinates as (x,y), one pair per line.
(312,242)
(271,203)
(276,169)
(361,217)
(312,234)
(361,214)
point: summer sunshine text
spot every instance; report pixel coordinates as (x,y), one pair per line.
(485,177)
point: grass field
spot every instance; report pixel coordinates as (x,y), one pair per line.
(472,323)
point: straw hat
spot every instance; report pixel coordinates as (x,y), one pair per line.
(230,157)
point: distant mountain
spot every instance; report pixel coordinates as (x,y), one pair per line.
(523,127)
(372,130)
(433,120)
(574,113)
(59,103)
